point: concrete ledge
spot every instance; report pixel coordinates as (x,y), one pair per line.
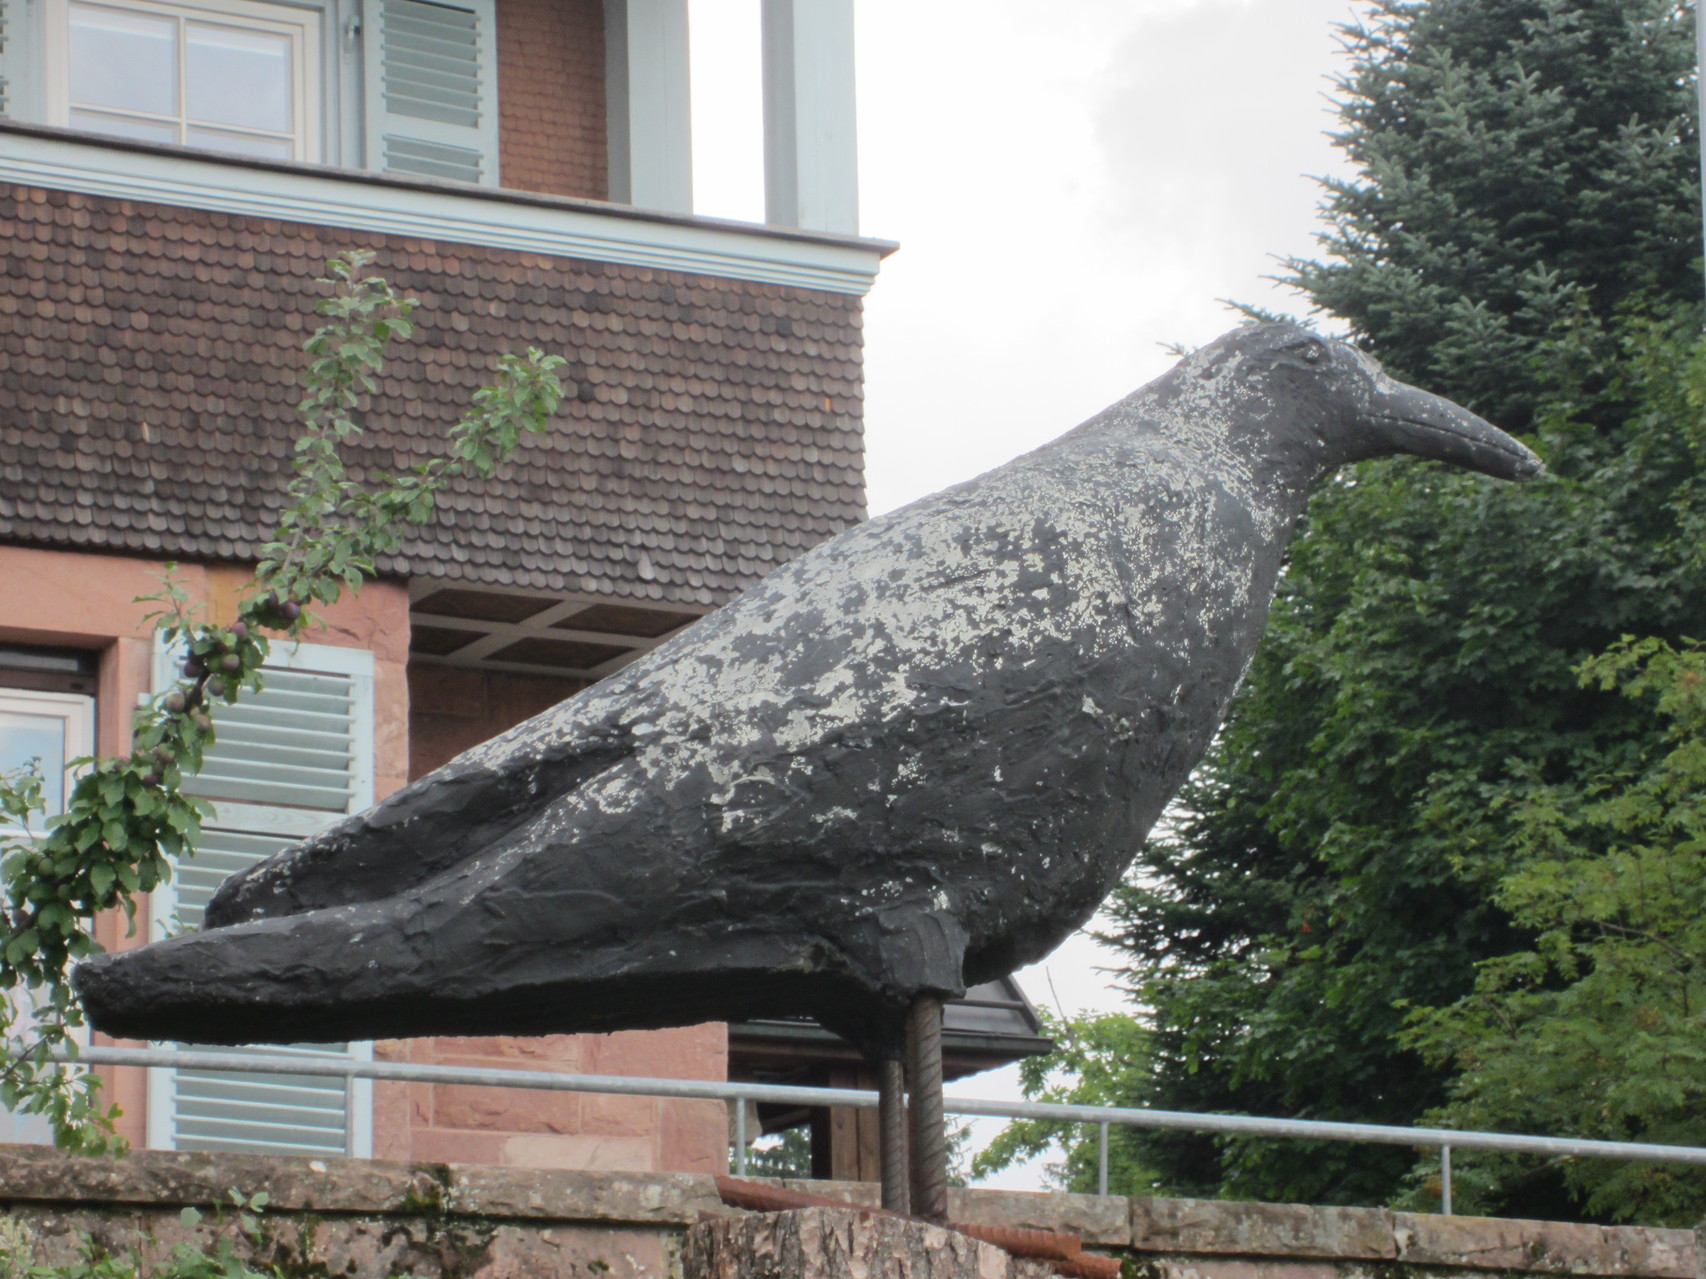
(171,1179)
(611,1198)
(1268,1230)
(1101,1221)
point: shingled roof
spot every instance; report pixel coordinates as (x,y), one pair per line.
(152,359)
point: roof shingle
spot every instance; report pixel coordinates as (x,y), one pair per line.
(152,361)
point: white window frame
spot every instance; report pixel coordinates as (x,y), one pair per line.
(301,24)
(294,823)
(75,710)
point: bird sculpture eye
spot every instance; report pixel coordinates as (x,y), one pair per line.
(1312,354)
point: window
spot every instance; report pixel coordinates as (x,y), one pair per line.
(240,78)
(53,727)
(399,86)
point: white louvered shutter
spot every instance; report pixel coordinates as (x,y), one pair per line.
(431,84)
(287,763)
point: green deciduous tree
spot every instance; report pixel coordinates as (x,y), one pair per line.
(1522,236)
(1098,1060)
(1521,165)
(1597,1026)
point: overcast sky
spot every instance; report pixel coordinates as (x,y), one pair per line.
(1074,186)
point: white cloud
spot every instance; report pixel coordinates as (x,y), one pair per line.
(1073,187)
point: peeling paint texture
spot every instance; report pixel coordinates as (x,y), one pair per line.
(911,760)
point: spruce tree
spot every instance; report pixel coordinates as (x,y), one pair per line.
(1526,193)
(1520,162)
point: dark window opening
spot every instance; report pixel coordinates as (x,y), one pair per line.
(48,670)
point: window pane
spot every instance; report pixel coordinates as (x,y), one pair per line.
(237,77)
(125,126)
(123,59)
(241,143)
(26,737)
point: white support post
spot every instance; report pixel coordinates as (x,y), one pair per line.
(811,163)
(647,104)
(1700,116)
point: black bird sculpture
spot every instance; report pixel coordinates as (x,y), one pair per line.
(913,759)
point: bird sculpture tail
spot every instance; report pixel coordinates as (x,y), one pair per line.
(468,954)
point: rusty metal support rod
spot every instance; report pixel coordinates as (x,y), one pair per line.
(891,1134)
(929,1130)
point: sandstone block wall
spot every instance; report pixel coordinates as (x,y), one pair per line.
(523,1128)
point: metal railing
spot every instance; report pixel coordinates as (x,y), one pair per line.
(739,1094)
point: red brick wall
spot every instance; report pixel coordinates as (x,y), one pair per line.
(551,97)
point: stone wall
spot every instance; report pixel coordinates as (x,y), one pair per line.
(529,1128)
(371,1219)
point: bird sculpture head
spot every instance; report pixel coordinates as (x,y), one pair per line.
(1298,405)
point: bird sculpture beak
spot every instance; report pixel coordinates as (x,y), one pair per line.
(1410,420)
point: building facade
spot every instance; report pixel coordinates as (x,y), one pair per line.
(174,175)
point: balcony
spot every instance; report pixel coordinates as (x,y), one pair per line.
(555,126)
